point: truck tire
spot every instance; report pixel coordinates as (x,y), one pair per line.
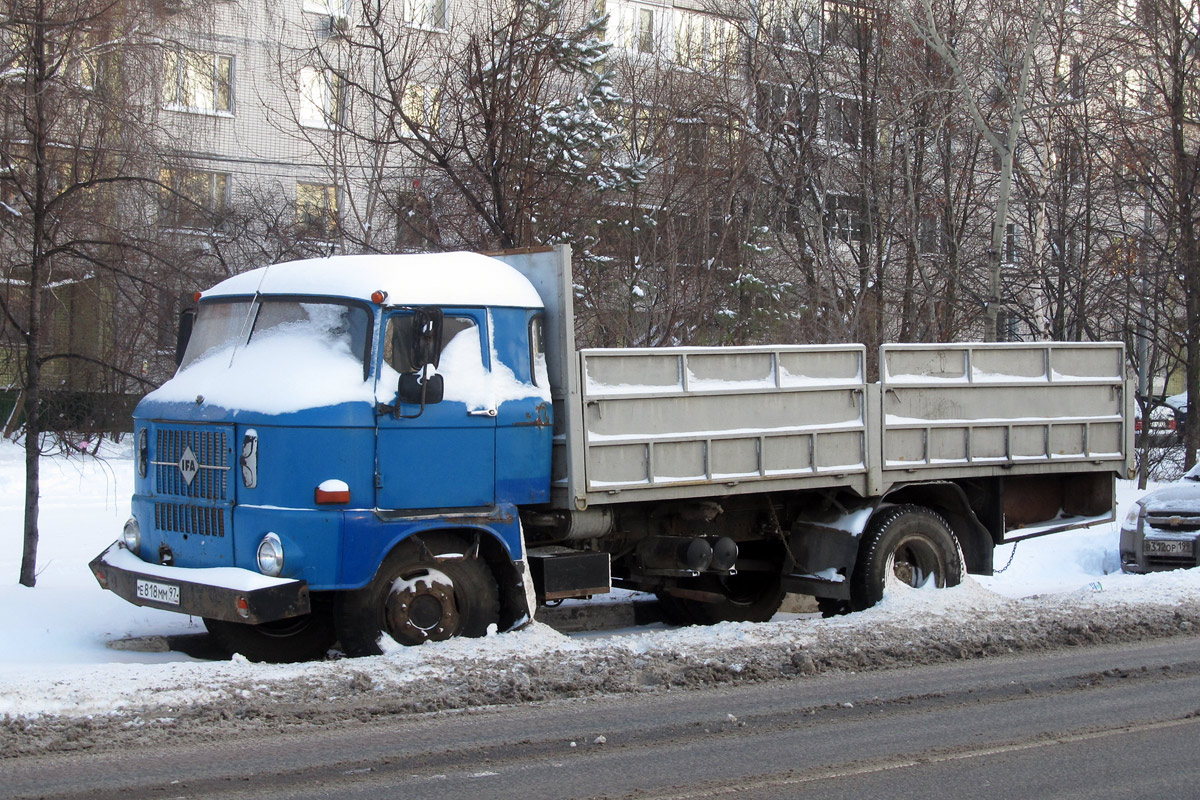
(415,598)
(285,641)
(749,597)
(907,543)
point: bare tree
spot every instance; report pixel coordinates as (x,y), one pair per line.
(1159,125)
(492,126)
(71,139)
(992,63)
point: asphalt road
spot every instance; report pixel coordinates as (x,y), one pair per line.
(1097,722)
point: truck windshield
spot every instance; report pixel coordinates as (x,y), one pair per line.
(224,325)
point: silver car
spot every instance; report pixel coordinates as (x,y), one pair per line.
(1161,530)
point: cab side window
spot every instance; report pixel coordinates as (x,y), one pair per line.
(397,346)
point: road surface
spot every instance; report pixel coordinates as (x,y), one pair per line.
(1093,722)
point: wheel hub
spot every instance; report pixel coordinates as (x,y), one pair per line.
(422,608)
(915,562)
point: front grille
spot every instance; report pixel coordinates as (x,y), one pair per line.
(211,448)
(197,520)
(1173,522)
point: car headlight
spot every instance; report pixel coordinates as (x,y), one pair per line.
(1131,517)
(131,535)
(270,555)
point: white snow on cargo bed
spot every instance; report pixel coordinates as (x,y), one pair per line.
(434,279)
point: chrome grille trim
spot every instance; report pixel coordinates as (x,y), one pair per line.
(211,448)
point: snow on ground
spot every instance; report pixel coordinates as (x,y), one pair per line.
(54,660)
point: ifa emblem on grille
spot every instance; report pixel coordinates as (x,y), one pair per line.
(188,466)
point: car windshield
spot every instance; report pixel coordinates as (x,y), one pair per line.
(246,323)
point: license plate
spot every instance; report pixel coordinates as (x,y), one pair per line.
(1168,547)
(158,592)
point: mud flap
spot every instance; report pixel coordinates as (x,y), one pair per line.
(524,588)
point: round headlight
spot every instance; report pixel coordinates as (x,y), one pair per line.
(270,555)
(131,535)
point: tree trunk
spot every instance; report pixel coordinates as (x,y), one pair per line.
(37,269)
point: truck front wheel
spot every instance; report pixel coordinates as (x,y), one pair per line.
(285,641)
(909,544)
(426,590)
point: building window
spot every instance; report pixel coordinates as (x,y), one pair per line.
(600,12)
(1011,245)
(424,13)
(844,218)
(316,210)
(194,81)
(1069,162)
(639,29)
(640,128)
(702,41)
(1135,90)
(843,120)
(1068,79)
(929,235)
(85,70)
(849,23)
(645,31)
(192,198)
(419,105)
(338,9)
(782,108)
(691,141)
(791,22)
(320,98)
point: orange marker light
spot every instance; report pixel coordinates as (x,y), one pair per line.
(332,496)
(378,296)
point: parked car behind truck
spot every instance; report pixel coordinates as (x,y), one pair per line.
(412,447)
(1160,530)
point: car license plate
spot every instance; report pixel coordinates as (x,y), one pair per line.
(158,592)
(1168,547)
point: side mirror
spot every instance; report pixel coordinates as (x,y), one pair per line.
(426,341)
(187,321)
(414,391)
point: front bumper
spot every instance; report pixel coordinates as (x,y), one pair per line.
(1136,559)
(226,593)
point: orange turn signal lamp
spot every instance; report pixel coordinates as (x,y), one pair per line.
(327,497)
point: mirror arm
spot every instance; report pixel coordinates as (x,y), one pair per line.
(424,392)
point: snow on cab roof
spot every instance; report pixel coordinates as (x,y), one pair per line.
(429,279)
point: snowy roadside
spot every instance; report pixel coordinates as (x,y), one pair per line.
(58,675)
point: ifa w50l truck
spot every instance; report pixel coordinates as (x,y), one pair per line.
(364,448)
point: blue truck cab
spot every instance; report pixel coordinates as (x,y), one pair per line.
(326,463)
